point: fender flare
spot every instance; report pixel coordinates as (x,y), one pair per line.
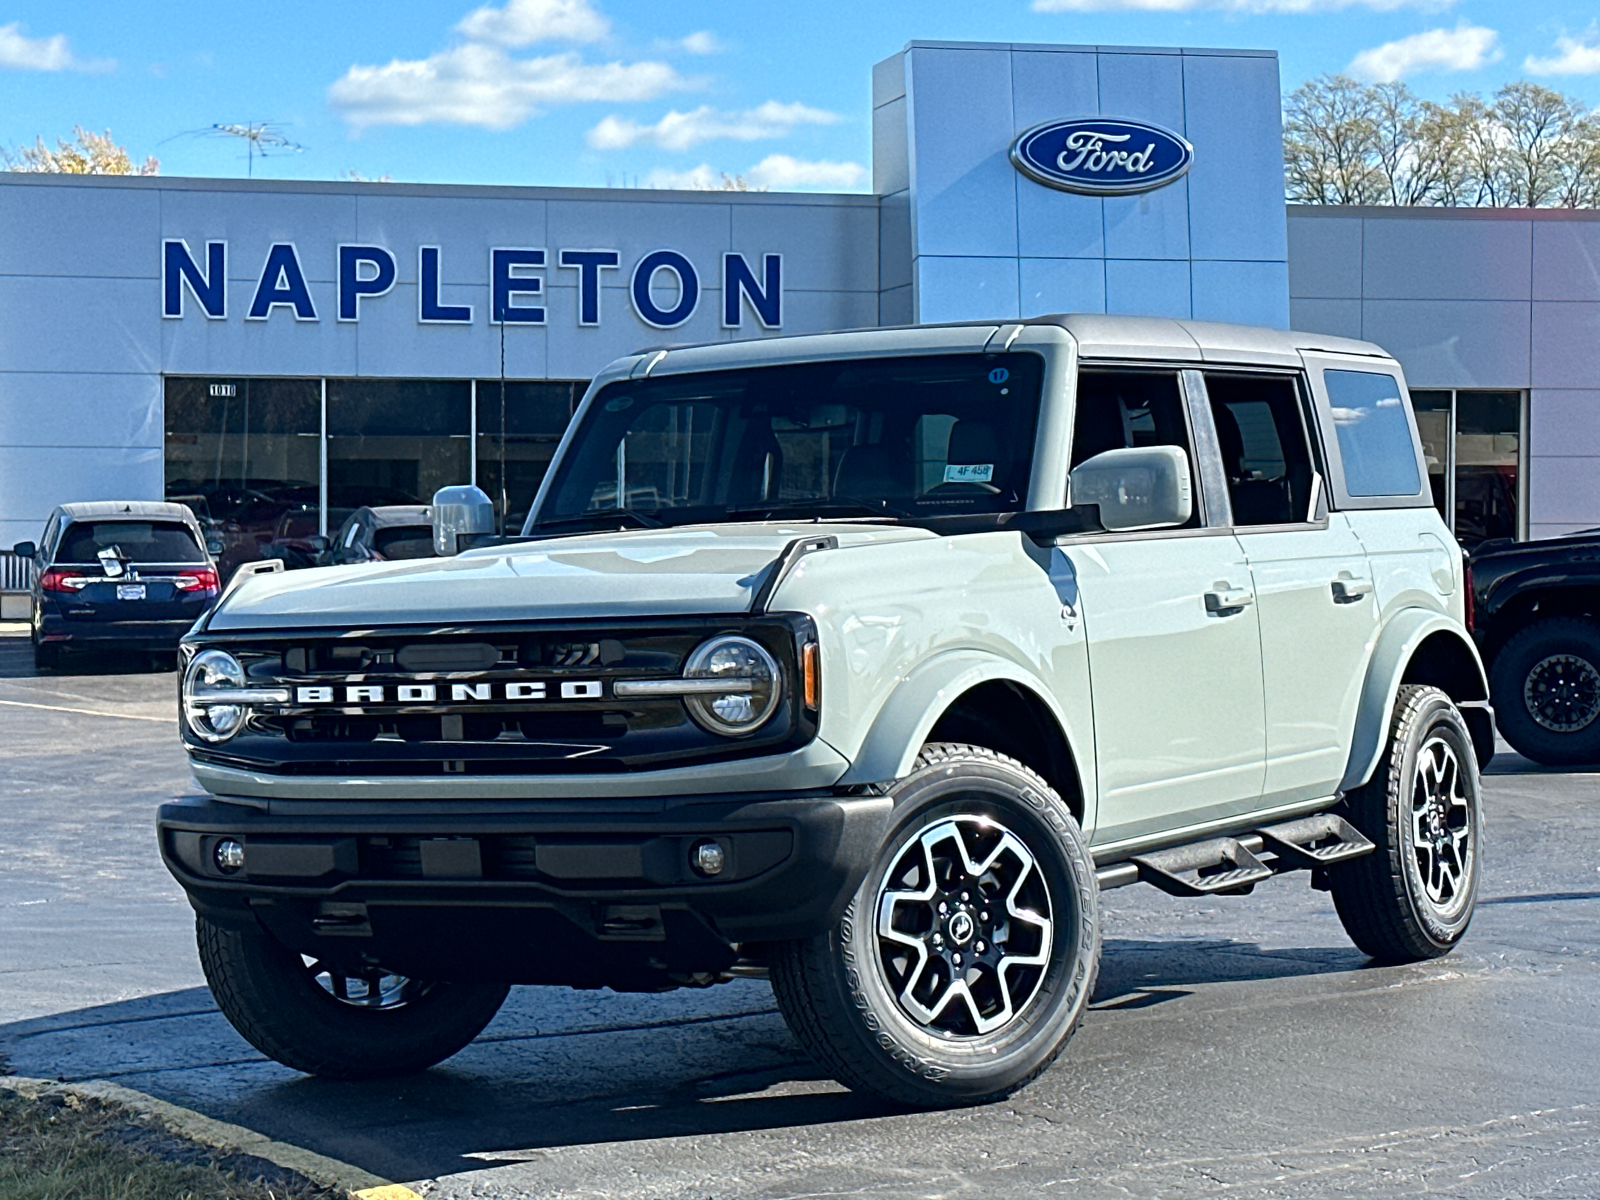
(890,748)
(1397,643)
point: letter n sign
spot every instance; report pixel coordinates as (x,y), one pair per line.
(766,296)
(209,288)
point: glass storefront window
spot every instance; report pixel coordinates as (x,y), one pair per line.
(1473,444)
(519,426)
(395,441)
(244,454)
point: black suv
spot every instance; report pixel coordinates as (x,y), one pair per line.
(1537,623)
(118,574)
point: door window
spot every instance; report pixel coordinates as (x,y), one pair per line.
(1266,455)
(1118,410)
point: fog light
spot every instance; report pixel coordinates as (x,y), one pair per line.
(229,856)
(708,858)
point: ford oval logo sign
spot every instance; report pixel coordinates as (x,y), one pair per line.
(1101,156)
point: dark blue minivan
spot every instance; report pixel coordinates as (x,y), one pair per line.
(118,574)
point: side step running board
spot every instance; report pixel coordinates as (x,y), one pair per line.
(1318,841)
(1234,865)
(1203,868)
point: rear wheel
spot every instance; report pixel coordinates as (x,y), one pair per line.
(1546,687)
(46,658)
(316,1018)
(1412,897)
(967,957)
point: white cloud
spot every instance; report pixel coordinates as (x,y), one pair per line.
(778,172)
(524,22)
(1234,6)
(685,130)
(482,85)
(783,173)
(702,41)
(18,52)
(1574,56)
(1464,48)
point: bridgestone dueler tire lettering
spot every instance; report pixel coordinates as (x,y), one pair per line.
(267,994)
(1379,900)
(1508,675)
(832,992)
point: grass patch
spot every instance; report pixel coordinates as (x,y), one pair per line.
(61,1147)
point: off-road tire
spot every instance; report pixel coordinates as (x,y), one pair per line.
(266,992)
(834,992)
(1381,897)
(1570,638)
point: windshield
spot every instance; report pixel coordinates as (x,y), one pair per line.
(139,541)
(930,436)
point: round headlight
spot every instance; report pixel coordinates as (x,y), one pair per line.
(209,714)
(755,685)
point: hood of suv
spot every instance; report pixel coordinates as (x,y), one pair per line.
(659,572)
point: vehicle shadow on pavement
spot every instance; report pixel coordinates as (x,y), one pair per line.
(16,661)
(1139,974)
(557,1068)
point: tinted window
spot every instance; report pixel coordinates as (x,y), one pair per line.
(404,541)
(139,541)
(1265,454)
(1118,410)
(1374,435)
(922,436)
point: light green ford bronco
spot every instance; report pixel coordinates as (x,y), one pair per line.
(865,662)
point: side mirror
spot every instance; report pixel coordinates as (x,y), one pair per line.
(1143,487)
(462,511)
(25,550)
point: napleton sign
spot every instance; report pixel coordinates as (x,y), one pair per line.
(1101,156)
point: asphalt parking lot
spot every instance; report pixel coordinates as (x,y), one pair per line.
(1235,1047)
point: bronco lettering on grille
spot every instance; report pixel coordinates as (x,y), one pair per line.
(427,693)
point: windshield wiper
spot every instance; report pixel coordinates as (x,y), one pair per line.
(643,520)
(817,509)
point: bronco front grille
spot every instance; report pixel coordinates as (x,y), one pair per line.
(495,700)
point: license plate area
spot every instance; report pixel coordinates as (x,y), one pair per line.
(130,591)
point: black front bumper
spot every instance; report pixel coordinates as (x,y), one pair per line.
(583,894)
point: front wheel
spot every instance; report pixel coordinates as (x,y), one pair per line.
(965,961)
(315,1018)
(1412,897)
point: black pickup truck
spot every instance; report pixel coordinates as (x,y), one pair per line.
(1536,616)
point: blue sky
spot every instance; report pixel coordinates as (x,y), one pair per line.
(620,92)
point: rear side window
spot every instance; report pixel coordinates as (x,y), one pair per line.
(1375,443)
(138,541)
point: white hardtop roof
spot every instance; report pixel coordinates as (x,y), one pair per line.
(1099,337)
(132,510)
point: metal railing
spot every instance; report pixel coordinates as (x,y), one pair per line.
(16,573)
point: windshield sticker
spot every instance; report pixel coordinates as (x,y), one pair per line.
(968,472)
(999,375)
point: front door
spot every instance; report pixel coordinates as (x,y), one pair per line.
(1174,646)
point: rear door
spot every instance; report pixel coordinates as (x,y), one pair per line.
(157,582)
(1174,649)
(1315,598)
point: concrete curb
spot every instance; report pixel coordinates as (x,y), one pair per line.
(219,1135)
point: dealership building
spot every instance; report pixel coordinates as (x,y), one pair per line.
(340,344)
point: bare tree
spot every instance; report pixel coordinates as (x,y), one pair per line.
(1350,143)
(87,154)
(1330,136)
